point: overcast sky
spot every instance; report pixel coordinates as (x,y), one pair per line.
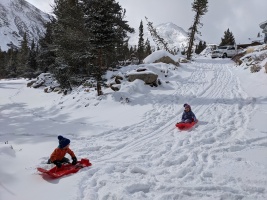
(242,17)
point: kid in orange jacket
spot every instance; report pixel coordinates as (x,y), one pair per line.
(57,157)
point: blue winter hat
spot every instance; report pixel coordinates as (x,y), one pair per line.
(63,142)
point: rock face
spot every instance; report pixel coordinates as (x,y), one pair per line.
(18,17)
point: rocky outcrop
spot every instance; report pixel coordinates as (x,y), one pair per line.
(167,60)
(143,74)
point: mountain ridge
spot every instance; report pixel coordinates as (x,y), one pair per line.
(18,17)
(174,35)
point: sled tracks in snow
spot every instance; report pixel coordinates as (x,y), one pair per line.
(153,160)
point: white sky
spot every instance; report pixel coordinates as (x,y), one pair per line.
(135,149)
(242,17)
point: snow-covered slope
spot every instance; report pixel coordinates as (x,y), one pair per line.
(18,17)
(136,151)
(171,33)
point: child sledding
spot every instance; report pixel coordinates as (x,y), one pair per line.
(188,118)
(63,164)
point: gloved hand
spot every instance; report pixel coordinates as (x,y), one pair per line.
(57,163)
(74,161)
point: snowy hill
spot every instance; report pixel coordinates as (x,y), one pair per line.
(18,17)
(135,149)
(171,33)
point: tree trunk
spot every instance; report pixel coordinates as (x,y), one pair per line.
(192,36)
(98,84)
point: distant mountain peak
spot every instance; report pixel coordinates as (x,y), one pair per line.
(170,32)
(18,17)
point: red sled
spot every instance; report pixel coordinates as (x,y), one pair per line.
(185,126)
(66,169)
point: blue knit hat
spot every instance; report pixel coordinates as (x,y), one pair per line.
(63,142)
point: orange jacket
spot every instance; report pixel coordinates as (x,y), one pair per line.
(58,154)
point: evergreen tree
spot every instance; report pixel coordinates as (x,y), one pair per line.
(125,51)
(131,50)
(148,50)
(106,27)
(200,7)
(46,55)
(3,63)
(141,45)
(228,38)
(197,49)
(135,49)
(204,45)
(200,47)
(12,63)
(70,43)
(23,55)
(121,45)
(159,41)
(32,56)
(31,61)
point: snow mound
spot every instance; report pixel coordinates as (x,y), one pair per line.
(7,150)
(159,54)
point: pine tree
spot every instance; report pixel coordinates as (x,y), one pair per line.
(12,63)
(70,43)
(46,55)
(23,55)
(3,72)
(141,45)
(228,38)
(148,50)
(204,45)
(131,50)
(121,46)
(106,27)
(200,47)
(200,7)
(159,41)
(125,51)
(31,61)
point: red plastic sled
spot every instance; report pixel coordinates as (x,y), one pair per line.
(56,172)
(185,126)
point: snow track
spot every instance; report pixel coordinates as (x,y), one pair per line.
(146,160)
(152,159)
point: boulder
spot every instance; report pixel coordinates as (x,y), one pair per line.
(167,60)
(147,76)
